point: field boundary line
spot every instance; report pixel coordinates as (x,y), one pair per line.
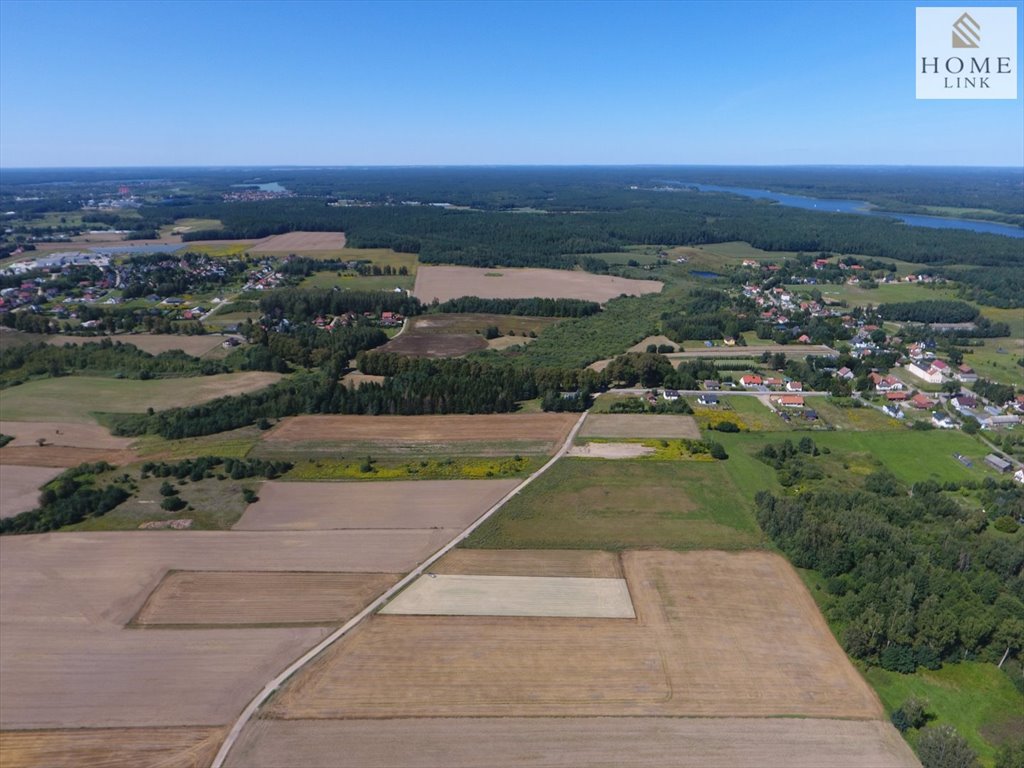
(269,689)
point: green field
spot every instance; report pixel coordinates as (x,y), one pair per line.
(190,225)
(449,468)
(234,444)
(885,293)
(350,281)
(975,698)
(76,398)
(618,504)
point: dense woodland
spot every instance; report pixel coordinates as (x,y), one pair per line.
(914,578)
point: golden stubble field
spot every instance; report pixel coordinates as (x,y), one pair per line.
(444,283)
(716,634)
(300,241)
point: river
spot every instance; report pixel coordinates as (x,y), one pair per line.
(859,206)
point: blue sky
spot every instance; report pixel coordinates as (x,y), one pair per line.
(393,83)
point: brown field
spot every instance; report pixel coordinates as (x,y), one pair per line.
(68,434)
(531,562)
(67,659)
(416,504)
(301,241)
(19,487)
(435,344)
(397,434)
(355,379)
(153,343)
(111,748)
(639,425)
(444,283)
(716,634)
(61,456)
(451,335)
(565,742)
(248,598)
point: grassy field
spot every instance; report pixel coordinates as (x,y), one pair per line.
(350,281)
(975,698)
(76,398)
(450,468)
(220,248)
(190,225)
(886,293)
(595,504)
(234,444)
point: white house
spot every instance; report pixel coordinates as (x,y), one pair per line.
(942,421)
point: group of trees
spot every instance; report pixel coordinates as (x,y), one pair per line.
(68,499)
(204,467)
(535,307)
(929,311)
(913,580)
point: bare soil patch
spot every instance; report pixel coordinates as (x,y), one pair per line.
(565,742)
(531,562)
(418,504)
(192,747)
(67,659)
(19,487)
(355,379)
(444,283)
(301,241)
(435,344)
(392,433)
(610,450)
(460,595)
(61,456)
(716,634)
(639,425)
(253,598)
(67,434)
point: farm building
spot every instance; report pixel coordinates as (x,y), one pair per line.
(942,421)
(997,463)
(751,380)
(671,394)
(707,399)
(790,401)
(921,401)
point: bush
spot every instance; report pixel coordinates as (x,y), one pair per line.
(899,720)
(249,495)
(166,489)
(726,426)
(1006,524)
(898,658)
(172,503)
(1011,755)
(717,451)
(943,747)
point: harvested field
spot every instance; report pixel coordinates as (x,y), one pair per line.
(295,242)
(564,742)
(610,451)
(111,748)
(639,425)
(450,335)
(444,283)
(790,350)
(531,562)
(19,487)
(435,344)
(455,595)
(62,433)
(253,598)
(75,398)
(60,456)
(67,660)
(154,344)
(417,504)
(480,435)
(716,634)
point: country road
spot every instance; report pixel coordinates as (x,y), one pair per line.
(277,682)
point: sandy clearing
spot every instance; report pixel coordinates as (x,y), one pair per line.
(154,344)
(444,283)
(601,742)
(550,427)
(531,562)
(19,487)
(62,433)
(640,425)
(301,241)
(459,595)
(355,379)
(231,598)
(110,748)
(716,634)
(417,504)
(67,660)
(610,450)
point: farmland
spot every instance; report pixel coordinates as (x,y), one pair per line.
(76,398)
(68,661)
(444,283)
(567,742)
(451,335)
(246,598)
(61,433)
(297,242)
(639,425)
(587,504)
(185,747)
(19,487)
(429,504)
(154,344)
(479,435)
(764,647)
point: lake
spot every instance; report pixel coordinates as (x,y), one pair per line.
(859,206)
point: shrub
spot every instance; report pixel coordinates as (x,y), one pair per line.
(1006,524)
(166,489)
(172,503)
(726,426)
(249,495)
(943,747)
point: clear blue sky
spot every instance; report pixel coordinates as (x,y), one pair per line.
(393,83)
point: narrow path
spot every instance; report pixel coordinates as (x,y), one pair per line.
(277,682)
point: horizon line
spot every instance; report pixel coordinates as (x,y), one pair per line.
(372,166)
